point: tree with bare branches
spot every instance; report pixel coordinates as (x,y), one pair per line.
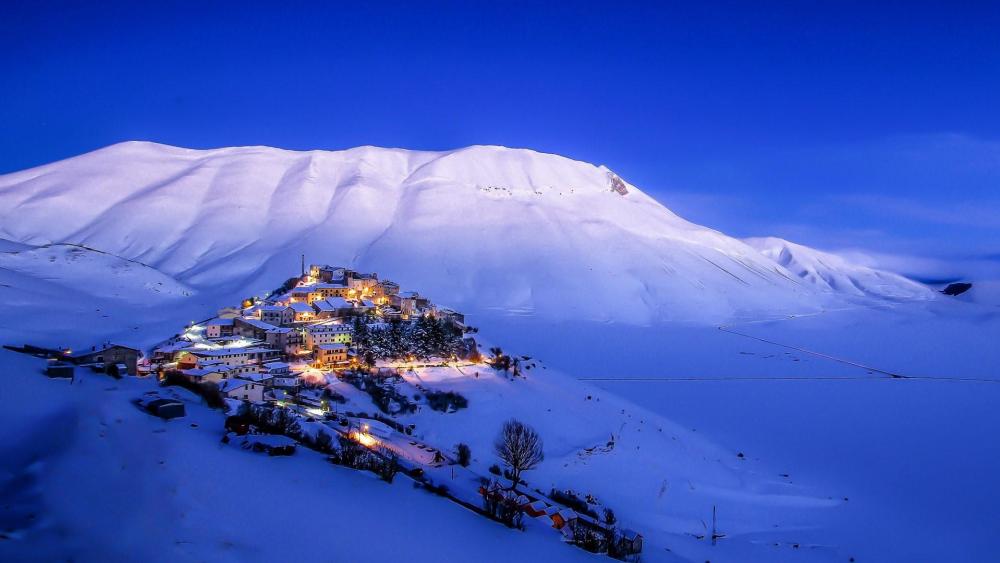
(519,447)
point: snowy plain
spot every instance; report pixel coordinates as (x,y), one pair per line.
(615,295)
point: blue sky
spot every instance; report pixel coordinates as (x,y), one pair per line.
(855,125)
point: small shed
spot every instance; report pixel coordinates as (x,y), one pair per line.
(59,369)
(166,408)
(272,444)
(631,541)
(162,407)
(561,517)
(535,509)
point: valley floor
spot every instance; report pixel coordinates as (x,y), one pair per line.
(914,456)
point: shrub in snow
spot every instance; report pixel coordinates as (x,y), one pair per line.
(464,454)
(351,454)
(323,442)
(446,401)
(382,462)
(609,517)
(289,284)
(618,547)
(570,499)
(333,396)
(385,464)
(383,394)
(586,537)
(440,490)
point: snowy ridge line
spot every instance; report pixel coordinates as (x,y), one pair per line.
(818,354)
(556,234)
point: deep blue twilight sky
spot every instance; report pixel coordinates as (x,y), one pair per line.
(844,127)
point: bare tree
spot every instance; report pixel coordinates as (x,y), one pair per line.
(520,447)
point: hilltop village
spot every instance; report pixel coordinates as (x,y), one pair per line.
(328,320)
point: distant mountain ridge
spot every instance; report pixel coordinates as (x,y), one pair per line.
(835,274)
(482,228)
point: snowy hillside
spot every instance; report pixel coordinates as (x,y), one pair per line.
(833,273)
(492,228)
(77,266)
(66,295)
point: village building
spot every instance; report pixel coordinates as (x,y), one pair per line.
(533,509)
(304,312)
(631,541)
(252,328)
(452,317)
(330,355)
(208,374)
(109,355)
(168,353)
(324,273)
(276,368)
(333,308)
(233,357)
(286,339)
(327,333)
(260,377)
(560,517)
(277,315)
(289,383)
(361,285)
(218,328)
(242,389)
(327,290)
(389,287)
(409,303)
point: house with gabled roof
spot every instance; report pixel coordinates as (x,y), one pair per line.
(242,389)
(219,327)
(277,315)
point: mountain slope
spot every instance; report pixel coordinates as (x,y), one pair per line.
(833,273)
(481,228)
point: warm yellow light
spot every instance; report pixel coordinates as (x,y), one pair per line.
(364,439)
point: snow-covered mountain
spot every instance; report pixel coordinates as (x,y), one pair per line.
(482,228)
(835,274)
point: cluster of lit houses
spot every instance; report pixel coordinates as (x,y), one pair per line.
(250,352)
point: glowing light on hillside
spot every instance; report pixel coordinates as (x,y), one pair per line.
(364,438)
